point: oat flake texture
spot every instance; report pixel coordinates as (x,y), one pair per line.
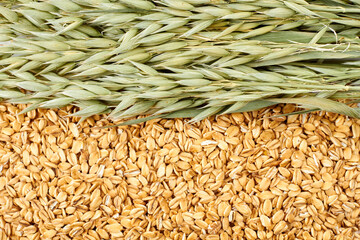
(238,176)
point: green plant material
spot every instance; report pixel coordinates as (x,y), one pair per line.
(90,110)
(321,103)
(31,107)
(186,58)
(56,103)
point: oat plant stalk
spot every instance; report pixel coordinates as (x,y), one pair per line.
(180,58)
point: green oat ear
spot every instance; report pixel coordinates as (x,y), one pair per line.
(177,56)
(322,104)
(33,106)
(197,28)
(206,113)
(9,14)
(66,5)
(182,104)
(33,86)
(184,113)
(79,94)
(11,94)
(235,107)
(256,105)
(296,113)
(145,68)
(125,102)
(135,121)
(57,103)
(90,111)
(137,108)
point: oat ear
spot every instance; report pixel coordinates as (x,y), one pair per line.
(217,54)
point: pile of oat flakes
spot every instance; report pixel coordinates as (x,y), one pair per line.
(238,176)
